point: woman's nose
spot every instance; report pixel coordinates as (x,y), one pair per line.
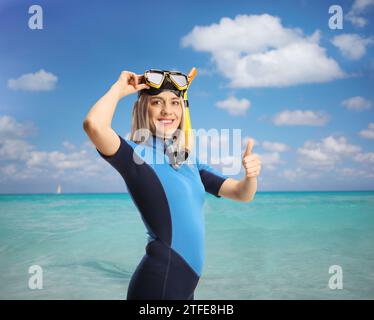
(167,108)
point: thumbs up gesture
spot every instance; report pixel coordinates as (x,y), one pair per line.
(251,161)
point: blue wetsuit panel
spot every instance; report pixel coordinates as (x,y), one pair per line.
(170,202)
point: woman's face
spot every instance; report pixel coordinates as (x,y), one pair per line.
(165,113)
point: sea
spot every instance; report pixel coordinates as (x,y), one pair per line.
(281,245)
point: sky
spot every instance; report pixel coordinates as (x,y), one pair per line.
(276,70)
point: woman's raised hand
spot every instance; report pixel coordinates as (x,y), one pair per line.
(129,82)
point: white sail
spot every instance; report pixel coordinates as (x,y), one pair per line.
(58,191)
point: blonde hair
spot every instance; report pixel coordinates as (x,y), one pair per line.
(140,123)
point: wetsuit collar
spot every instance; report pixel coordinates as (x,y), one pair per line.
(159,143)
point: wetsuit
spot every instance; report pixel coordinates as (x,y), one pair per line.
(170,202)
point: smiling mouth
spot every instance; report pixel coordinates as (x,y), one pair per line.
(166,122)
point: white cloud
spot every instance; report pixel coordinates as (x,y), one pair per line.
(234,106)
(270,161)
(258,51)
(14,149)
(315,153)
(355,172)
(58,160)
(298,173)
(292,175)
(31,163)
(300,118)
(38,81)
(359,7)
(347,171)
(369,132)
(223,148)
(339,145)
(274,146)
(12,146)
(20,160)
(357,103)
(10,128)
(73,166)
(367,158)
(245,141)
(326,153)
(352,46)
(69,146)
(9,169)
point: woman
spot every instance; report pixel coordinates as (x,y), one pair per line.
(169,194)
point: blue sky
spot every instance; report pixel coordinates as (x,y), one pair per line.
(273,69)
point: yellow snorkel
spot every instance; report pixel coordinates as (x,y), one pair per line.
(187,119)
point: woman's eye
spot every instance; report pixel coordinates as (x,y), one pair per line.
(176,103)
(155,102)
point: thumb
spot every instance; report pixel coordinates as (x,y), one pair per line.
(249,148)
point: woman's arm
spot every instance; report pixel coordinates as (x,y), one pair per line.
(239,190)
(102,112)
(245,189)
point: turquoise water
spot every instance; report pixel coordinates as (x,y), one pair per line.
(280,246)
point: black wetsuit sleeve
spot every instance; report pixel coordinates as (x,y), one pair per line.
(211,178)
(120,160)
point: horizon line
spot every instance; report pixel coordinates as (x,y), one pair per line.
(116,192)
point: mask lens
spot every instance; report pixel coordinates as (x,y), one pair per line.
(179,79)
(154,77)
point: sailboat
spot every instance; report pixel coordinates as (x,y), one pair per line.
(58,191)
